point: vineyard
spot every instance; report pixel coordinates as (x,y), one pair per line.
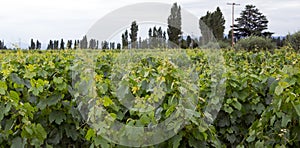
(197,98)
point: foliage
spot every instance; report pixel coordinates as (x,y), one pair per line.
(133,35)
(125,40)
(253,43)
(212,22)
(174,25)
(261,107)
(251,23)
(294,40)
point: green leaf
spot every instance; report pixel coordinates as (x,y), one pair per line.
(297,108)
(15,78)
(90,133)
(272,120)
(228,109)
(107,101)
(18,143)
(57,116)
(259,144)
(236,104)
(283,84)
(40,132)
(14,95)
(29,74)
(251,137)
(58,80)
(3,88)
(100,141)
(285,120)
(71,132)
(28,130)
(176,140)
(278,90)
(145,119)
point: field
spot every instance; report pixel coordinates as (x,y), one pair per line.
(155,98)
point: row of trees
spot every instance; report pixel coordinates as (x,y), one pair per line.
(2,46)
(212,25)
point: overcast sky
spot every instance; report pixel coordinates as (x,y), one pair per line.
(71,19)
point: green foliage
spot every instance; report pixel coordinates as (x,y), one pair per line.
(125,40)
(212,23)
(255,43)
(133,35)
(261,107)
(251,23)
(294,40)
(174,25)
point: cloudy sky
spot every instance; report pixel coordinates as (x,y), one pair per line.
(22,20)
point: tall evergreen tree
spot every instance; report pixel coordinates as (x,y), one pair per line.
(83,43)
(105,45)
(75,44)
(112,45)
(218,24)
(56,42)
(133,35)
(118,46)
(32,44)
(69,44)
(150,35)
(62,44)
(93,44)
(251,22)
(188,41)
(174,25)
(212,26)
(125,40)
(2,45)
(38,44)
(50,45)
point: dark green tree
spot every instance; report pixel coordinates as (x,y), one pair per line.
(150,35)
(2,46)
(69,44)
(93,44)
(133,34)
(251,23)
(189,41)
(125,40)
(32,44)
(212,25)
(105,45)
(112,45)
(38,44)
(76,44)
(56,44)
(62,44)
(218,26)
(174,25)
(294,40)
(83,43)
(118,46)
(50,45)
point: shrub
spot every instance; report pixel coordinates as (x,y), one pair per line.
(255,43)
(216,45)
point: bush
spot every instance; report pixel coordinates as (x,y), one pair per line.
(224,44)
(255,43)
(294,40)
(216,45)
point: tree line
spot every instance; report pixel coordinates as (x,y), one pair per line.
(212,25)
